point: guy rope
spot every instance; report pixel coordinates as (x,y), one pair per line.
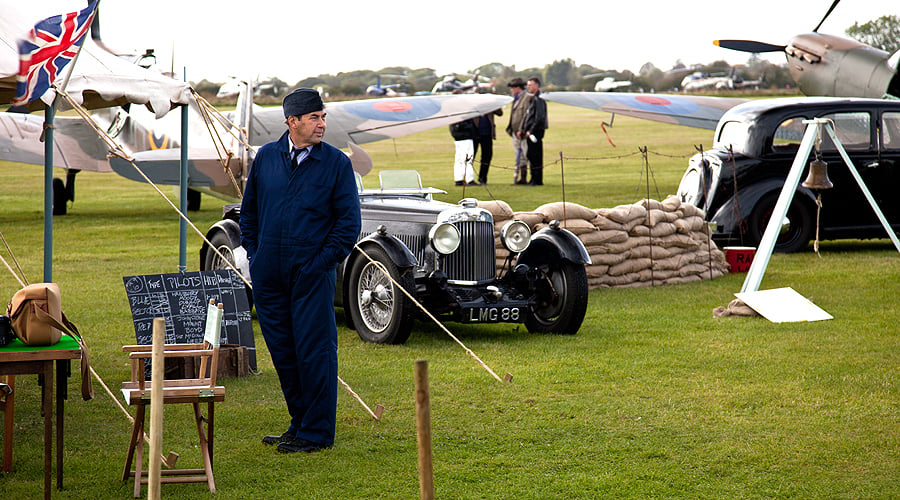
(117,150)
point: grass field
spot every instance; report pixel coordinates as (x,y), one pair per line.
(654,398)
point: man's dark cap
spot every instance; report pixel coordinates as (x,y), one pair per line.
(516,82)
(302,101)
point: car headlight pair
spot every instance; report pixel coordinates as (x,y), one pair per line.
(444,237)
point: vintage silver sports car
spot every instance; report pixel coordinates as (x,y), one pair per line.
(444,256)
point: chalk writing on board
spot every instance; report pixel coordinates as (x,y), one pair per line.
(181,298)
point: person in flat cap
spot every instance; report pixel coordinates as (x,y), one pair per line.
(299,219)
(521,101)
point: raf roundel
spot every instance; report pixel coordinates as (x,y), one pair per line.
(392,106)
(653,100)
(393,110)
(673,104)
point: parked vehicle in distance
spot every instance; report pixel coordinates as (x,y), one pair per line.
(443,255)
(738,181)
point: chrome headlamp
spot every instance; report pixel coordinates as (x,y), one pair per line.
(444,238)
(515,235)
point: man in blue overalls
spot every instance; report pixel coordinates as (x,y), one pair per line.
(299,219)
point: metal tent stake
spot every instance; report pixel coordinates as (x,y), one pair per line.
(767,244)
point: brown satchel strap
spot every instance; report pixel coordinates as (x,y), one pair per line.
(87,386)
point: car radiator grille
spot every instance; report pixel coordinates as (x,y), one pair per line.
(416,244)
(474,260)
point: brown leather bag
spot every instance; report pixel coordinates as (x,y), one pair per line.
(35,314)
(36,317)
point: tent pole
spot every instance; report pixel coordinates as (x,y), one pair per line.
(182,226)
(49,112)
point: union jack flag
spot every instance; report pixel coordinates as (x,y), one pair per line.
(49,47)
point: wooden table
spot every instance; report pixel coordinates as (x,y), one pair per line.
(17,358)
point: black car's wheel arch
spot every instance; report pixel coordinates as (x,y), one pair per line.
(227,227)
(225,232)
(566,266)
(734,216)
(400,255)
(557,244)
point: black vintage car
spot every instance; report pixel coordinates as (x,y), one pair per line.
(738,181)
(444,256)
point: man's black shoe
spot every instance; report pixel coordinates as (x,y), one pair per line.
(272,439)
(459,183)
(298,445)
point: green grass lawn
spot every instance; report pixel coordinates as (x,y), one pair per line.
(654,398)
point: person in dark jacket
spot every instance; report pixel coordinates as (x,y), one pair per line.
(300,218)
(535,124)
(484,139)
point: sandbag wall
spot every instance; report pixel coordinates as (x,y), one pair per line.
(647,243)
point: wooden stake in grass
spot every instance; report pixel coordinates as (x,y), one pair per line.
(158,374)
(423,431)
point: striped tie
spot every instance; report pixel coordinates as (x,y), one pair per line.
(295,152)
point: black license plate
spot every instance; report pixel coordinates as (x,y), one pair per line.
(493,314)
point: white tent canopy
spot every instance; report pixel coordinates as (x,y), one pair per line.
(99,79)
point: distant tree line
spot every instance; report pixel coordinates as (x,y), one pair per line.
(564,74)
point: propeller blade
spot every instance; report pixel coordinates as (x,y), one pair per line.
(833,5)
(749,46)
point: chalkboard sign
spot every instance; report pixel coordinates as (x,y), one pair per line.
(181,298)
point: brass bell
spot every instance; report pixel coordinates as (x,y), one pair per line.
(818,176)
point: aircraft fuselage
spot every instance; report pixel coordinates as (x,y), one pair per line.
(830,65)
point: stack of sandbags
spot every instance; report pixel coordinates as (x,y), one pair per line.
(651,243)
(643,244)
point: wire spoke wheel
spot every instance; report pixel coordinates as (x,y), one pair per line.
(220,263)
(380,311)
(375,297)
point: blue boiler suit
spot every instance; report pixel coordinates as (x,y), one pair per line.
(297,224)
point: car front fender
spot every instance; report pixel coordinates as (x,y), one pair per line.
(396,250)
(226,226)
(553,243)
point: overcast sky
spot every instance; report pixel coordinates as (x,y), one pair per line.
(294,40)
